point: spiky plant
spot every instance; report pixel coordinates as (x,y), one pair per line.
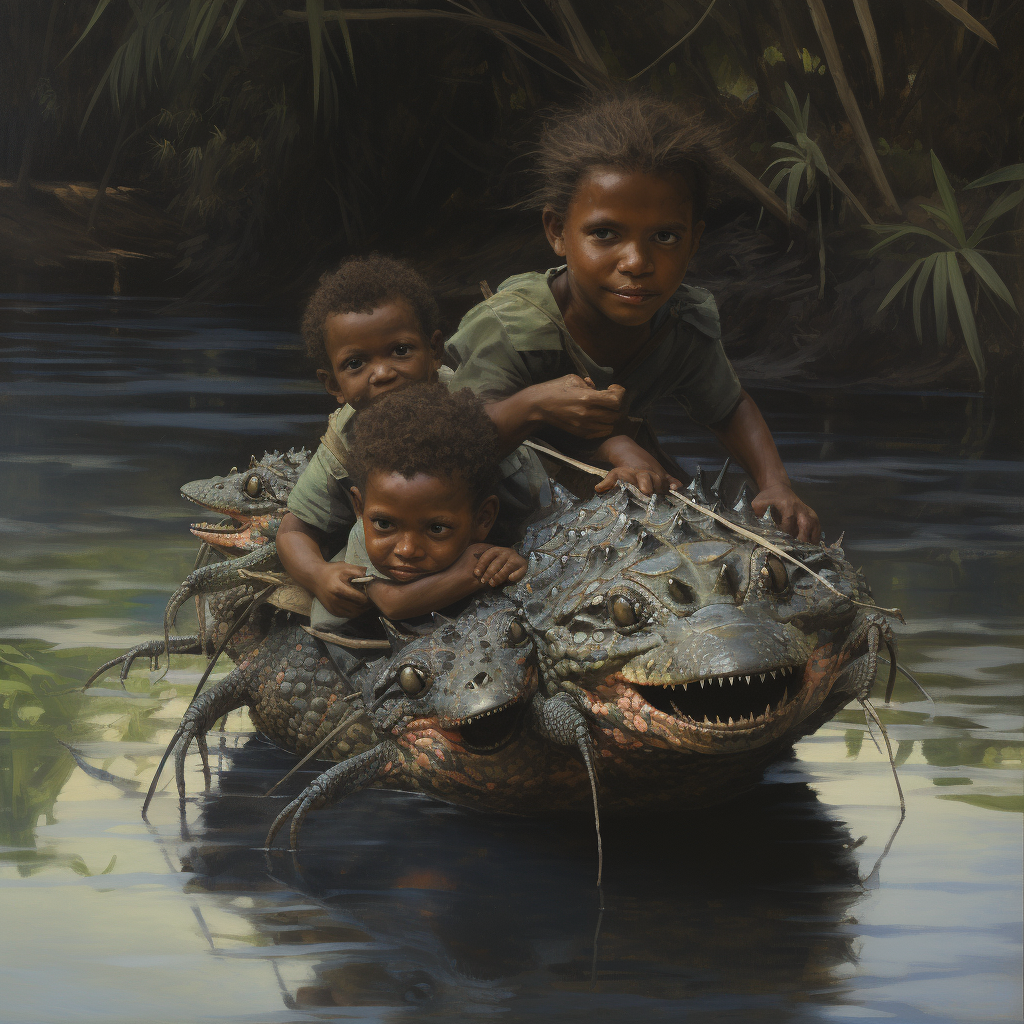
(955,255)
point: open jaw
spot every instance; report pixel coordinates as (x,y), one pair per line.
(224,535)
(740,700)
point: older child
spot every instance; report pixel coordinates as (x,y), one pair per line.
(424,465)
(578,351)
(371,327)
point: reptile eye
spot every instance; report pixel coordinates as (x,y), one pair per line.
(411,681)
(775,574)
(624,611)
(253,486)
(679,591)
(516,633)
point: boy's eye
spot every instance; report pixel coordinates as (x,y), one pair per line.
(382,524)
(438,529)
(602,234)
(352,364)
(403,349)
(666,236)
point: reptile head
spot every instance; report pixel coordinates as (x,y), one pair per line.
(255,498)
(680,632)
(472,677)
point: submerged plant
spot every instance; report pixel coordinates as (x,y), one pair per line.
(943,267)
(804,162)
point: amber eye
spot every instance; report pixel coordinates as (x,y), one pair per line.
(775,574)
(679,591)
(516,633)
(253,486)
(410,680)
(624,611)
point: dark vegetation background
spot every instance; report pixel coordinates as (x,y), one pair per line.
(233,149)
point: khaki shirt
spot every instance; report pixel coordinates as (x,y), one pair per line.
(517,338)
(355,554)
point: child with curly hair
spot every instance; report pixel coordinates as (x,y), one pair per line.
(424,465)
(578,356)
(371,328)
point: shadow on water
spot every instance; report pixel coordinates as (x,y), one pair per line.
(403,901)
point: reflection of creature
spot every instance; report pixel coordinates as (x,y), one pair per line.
(414,904)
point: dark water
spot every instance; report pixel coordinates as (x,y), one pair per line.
(767,911)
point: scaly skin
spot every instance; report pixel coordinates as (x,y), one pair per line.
(258,499)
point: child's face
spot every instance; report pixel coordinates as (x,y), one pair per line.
(417,527)
(627,239)
(374,353)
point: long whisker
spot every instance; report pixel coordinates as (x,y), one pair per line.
(906,672)
(869,709)
(588,760)
(316,750)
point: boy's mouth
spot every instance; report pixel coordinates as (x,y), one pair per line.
(404,572)
(634,296)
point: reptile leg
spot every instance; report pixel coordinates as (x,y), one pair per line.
(152,649)
(232,692)
(559,720)
(338,781)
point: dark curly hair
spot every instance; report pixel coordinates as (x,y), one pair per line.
(360,285)
(633,131)
(427,429)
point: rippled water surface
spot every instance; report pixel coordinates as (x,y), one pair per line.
(772,909)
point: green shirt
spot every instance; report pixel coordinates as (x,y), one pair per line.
(517,338)
(320,496)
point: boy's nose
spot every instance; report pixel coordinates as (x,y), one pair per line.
(634,260)
(382,373)
(406,547)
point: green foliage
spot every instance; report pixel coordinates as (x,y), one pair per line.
(31,695)
(943,267)
(805,163)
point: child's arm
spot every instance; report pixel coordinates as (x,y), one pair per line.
(747,438)
(298,544)
(570,403)
(479,565)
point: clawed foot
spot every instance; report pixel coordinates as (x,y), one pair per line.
(338,781)
(152,649)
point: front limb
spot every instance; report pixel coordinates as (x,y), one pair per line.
(559,720)
(338,781)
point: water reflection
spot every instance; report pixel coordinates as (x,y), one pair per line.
(399,905)
(398,900)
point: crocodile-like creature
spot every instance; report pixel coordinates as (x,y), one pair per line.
(257,498)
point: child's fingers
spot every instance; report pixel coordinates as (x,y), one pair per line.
(517,574)
(484,559)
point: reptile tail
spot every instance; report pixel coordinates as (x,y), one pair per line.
(338,781)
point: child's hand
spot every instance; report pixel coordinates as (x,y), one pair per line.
(633,465)
(573,404)
(336,593)
(497,566)
(795,518)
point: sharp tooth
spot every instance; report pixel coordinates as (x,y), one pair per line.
(718,721)
(676,709)
(773,675)
(730,719)
(721,680)
(785,695)
(767,710)
(748,680)
(731,680)
(706,719)
(702,684)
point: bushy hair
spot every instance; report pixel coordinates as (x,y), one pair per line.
(427,429)
(360,285)
(634,131)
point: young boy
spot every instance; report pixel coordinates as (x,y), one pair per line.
(372,328)
(583,350)
(424,464)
